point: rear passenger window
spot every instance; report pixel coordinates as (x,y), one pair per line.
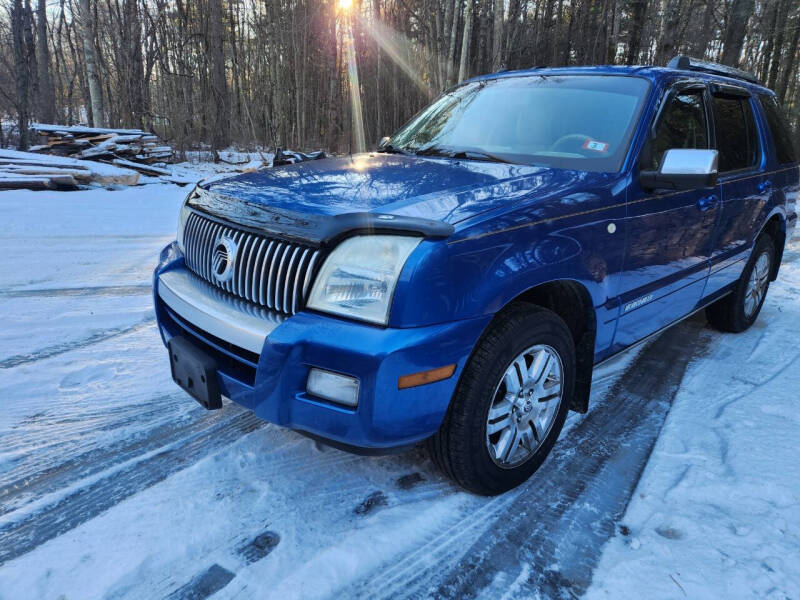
(737,137)
(682,125)
(779,128)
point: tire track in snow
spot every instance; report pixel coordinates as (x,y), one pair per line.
(29,485)
(103,290)
(340,499)
(41,444)
(39,526)
(550,531)
(555,531)
(204,584)
(146,469)
(56,349)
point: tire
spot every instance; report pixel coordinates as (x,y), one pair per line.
(463,448)
(737,311)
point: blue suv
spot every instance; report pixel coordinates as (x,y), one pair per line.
(459,284)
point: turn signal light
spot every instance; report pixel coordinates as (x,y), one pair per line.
(423,377)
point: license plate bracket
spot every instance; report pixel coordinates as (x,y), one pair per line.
(195,372)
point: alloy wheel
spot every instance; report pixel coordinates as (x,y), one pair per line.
(757,285)
(524,406)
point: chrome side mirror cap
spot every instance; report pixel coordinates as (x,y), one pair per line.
(683,169)
(384,140)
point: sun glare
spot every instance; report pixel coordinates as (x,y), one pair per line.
(345,5)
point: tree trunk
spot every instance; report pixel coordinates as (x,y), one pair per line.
(700,44)
(779,24)
(464,64)
(735,29)
(788,70)
(220,136)
(96,114)
(451,54)
(30,58)
(20,71)
(132,67)
(512,32)
(497,36)
(444,42)
(47,95)
(668,41)
(638,9)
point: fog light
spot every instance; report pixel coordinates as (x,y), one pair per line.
(341,389)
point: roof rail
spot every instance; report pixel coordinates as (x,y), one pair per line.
(686,63)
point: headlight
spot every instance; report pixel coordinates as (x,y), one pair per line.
(358,278)
(182,218)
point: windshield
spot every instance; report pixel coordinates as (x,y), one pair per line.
(581,122)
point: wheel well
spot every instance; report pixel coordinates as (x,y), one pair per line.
(776,229)
(572,302)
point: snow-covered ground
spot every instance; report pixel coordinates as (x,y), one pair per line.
(717,512)
(115,484)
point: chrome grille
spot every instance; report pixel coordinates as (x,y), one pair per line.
(268,272)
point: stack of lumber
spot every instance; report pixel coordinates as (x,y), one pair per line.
(26,170)
(138,149)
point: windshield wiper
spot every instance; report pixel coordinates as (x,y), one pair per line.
(389,149)
(477,155)
(434,151)
(463,154)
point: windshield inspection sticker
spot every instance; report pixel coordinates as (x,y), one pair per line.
(594,145)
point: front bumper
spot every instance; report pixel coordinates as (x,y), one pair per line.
(263,361)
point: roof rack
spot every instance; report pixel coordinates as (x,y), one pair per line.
(686,63)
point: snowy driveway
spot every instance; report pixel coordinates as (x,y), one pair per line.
(114,483)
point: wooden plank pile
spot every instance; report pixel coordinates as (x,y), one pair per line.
(138,149)
(27,170)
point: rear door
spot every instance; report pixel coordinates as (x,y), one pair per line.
(669,233)
(743,186)
(785,153)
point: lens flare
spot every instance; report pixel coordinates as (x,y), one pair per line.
(345,5)
(359,138)
(399,49)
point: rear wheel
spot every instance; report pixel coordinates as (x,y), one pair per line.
(511,402)
(739,309)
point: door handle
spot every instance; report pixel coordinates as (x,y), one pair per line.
(764,185)
(706,202)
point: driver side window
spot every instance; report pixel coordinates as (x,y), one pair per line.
(683,125)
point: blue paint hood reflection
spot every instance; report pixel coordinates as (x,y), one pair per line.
(438,189)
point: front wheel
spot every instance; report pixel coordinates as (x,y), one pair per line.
(738,310)
(511,402)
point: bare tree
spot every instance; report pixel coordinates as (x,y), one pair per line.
(790,68)
(220,101)
(462,68)
(273,72)
(497,35)
(638,9)
(451,53)
(18,19)
(97,113)
(739,14)
(46,101)
(669,41)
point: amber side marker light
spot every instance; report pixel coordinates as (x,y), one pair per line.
(407,381)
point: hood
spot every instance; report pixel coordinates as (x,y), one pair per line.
(439,189)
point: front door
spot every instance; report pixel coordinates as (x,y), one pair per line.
(669,233)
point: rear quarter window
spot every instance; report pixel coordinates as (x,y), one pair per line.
(779,129)
(737,137)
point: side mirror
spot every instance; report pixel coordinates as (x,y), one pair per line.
(683,169)
(384,140)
